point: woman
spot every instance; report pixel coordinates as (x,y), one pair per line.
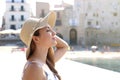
(39,37)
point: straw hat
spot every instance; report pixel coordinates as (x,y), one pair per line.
(33,24)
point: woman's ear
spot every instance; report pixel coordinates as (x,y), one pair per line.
(35,39)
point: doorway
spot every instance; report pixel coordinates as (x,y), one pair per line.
(73,37)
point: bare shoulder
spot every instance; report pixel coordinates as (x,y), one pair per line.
(34,72)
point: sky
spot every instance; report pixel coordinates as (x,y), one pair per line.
(32,2)
(51,2)
(57,1)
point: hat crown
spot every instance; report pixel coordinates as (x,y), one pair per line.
(27,29)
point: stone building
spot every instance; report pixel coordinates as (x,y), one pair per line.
(99,20)
(67,24)
(42,8)
(87,22)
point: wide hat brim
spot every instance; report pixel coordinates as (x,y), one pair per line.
(49,19)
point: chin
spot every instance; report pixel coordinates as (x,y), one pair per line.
(54,44)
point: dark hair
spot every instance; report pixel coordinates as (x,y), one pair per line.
(32,45)
(50,56)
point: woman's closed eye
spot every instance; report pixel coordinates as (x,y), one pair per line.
(48,29)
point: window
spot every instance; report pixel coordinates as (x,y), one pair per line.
(12,18)
(97,15)
(22,1)
(73,22)
(97,23)
(13,27)
(114,14)
(43,13)
(89,23)
(21,25)
(12,8)
(87,33)
(58,15)
(22,18)
(22,8)
(58,23)
(13,1)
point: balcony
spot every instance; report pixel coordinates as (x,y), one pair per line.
(12,10)
(22,10)
(12,20)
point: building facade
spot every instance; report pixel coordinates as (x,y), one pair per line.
(101,21)
(87,22)
(17,11)
(42,8)
(95,22)
(67,24)
(74,23)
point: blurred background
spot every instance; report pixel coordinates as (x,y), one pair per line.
(90,27)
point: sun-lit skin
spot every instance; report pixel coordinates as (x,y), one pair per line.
(47,37)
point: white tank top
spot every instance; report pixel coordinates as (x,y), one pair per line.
(48,72)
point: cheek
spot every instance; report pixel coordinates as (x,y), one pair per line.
(46,38)
(50,41)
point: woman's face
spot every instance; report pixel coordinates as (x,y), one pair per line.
(47,36)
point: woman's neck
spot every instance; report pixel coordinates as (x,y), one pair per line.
(40,54)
